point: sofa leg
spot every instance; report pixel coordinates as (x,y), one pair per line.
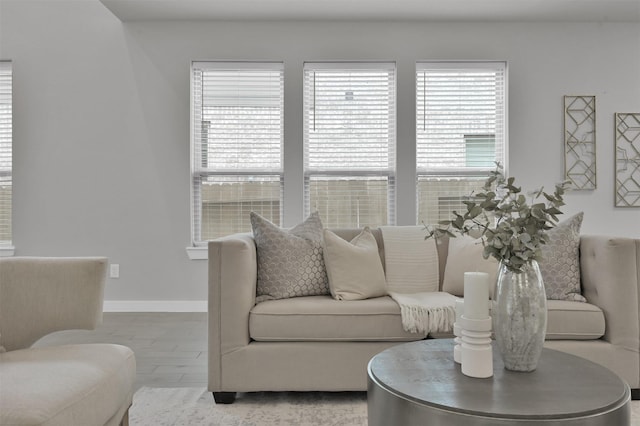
(224,397)
(635,394)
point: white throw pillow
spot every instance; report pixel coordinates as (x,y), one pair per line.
(354,268)
(465,255)
(411,261)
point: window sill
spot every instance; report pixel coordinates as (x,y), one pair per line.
(197,253)
(7,251)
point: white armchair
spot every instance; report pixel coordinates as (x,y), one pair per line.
(82,384)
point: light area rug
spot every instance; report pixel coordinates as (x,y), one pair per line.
(195,407)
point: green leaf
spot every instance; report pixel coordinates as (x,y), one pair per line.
(525,238)
(475,211)
(553,210)
(458,222)
(539,206)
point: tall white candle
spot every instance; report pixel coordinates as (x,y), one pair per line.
(476,295)
(459,309)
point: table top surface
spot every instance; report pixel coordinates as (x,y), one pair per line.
(562,386)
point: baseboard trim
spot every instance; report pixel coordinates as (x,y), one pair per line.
(155,306)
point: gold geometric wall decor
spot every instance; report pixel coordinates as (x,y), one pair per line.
(627,159)
(580,141)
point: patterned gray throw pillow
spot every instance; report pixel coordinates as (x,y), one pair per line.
(290,262)
(560,266)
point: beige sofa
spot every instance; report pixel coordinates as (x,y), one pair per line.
(68,385)
(316,343)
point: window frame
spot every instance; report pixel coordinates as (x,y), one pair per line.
(198,173)
(465,173)
(6,246)
(389,172)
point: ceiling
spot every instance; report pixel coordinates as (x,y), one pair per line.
(377,10)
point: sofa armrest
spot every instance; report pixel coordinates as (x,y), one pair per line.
(40,295)
(232,295)
(610,273)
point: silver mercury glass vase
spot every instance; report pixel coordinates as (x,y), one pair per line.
(519,312)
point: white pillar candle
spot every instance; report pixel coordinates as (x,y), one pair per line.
(459,309)
(457,331)
(476,295)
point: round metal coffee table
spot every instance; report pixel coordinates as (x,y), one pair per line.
(418,383)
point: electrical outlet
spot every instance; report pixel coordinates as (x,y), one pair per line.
(114,270)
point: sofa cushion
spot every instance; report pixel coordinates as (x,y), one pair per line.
(354,268)
(65,385)
(568,320)
(322,318)
(560,264)
(290,262)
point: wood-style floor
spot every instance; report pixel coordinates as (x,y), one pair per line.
(170,348)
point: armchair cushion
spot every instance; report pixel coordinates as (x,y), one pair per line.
(66,385)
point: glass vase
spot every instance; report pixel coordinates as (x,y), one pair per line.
(519,312)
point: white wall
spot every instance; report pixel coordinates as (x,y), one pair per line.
(101,120)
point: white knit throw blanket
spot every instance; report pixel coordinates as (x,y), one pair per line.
(426,312)
(411,269)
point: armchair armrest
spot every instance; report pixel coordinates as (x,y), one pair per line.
(610,271)
(232,294)
(40,295)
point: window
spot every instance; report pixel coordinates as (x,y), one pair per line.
(6,142)
(236,146)
(349,143)
(480,150)
(460,132)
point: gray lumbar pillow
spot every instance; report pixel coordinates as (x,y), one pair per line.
(560,265)
(290,261)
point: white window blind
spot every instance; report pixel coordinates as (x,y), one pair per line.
(6,142)
(350,143)
(461,110)
(237,137)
